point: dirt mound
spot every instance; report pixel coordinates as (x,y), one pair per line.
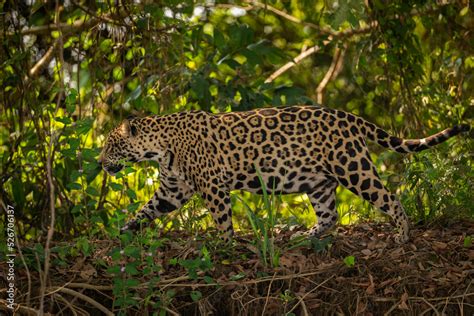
(358,272)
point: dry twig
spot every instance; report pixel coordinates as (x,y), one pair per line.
(81,296)
(49,175)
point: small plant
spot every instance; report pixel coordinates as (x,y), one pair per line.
(134,268)
(196,265)
(349,261)
(436,185)
(318,245)
(263,228)
(467,241)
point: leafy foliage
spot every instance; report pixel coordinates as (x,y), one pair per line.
(70,72)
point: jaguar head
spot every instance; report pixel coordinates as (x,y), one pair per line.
(121,145)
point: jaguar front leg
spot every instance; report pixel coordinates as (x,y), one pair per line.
(171,195)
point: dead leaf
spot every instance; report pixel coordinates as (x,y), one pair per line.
(403,302)
(285,261)
(252,248)
(361,307)
(78,264)
(421,266)
(439,245)
(388,290)
(87,272)
(366,252)
(397,252)
(371,288)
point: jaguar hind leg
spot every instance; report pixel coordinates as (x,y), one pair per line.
(362,179)
(218,203)
(323,200)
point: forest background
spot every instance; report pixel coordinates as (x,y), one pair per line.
(72,70)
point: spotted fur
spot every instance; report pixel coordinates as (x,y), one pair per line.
(298,149)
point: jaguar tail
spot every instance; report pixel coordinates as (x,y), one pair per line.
(400,145)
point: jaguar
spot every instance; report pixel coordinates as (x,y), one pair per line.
(296,149)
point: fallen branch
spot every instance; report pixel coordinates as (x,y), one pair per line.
(81,296)
(23,310)
(268,293)
(301,300)
(66,303)
(87,286)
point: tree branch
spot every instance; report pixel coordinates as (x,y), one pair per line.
(292,63)
(64,27)
(49,168)
(43,60)
(322,30)
(333,71)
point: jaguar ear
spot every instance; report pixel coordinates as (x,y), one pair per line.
(126,129)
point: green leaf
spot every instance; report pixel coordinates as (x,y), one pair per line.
(195,295)
(18,193)
(171,293)
(69,152)
(105,45)
(253,58)
(200,86)
(89,154)
(209,280)
(469,62)
(242,35)
(133,207)
(131,269)
(83,126)
(76,209)
(131,194)
(232,63)
(64,120)
(73,143)
(173,261)
(132,282)
(349,261)
(71,101)
(83,245)
(90,166)
(114,270)
(118,73)
(74,186)
(132,251)
(116,186)
(219,40)
(464,11)
(467,241)
(92,191)
(238,276)
(92,169)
